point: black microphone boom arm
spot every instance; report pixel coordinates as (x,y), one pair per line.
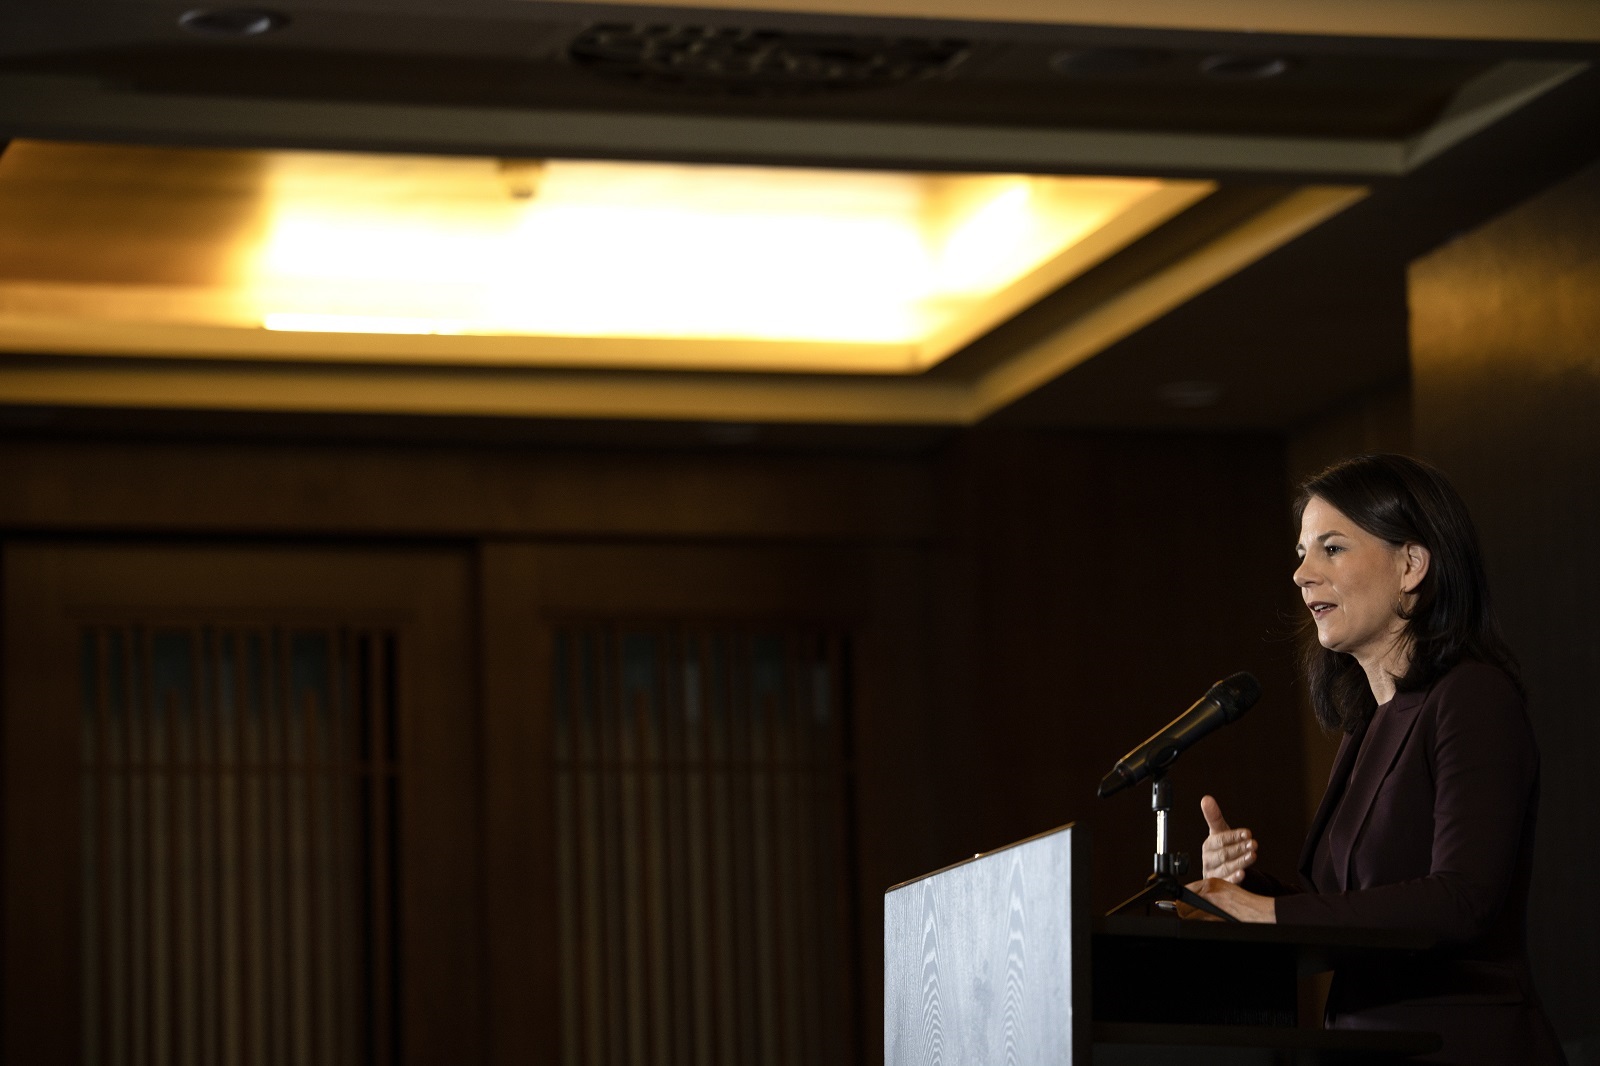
(1224,703)
(1227,700)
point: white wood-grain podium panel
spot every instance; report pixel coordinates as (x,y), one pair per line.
(985,962)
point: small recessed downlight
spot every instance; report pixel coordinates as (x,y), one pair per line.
(1244,68)
(232,21)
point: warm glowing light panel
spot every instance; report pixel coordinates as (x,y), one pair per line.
(692,265)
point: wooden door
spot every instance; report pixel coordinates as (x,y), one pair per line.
(240,806)
(680,744)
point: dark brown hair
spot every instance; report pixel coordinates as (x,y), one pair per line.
(1402,500)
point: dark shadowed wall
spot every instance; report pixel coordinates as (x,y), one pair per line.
(1103,582)
(1506,374)
(1029,606)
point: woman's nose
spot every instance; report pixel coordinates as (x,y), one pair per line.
(1303,575)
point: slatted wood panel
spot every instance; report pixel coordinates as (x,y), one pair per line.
(703,784)
(239,846)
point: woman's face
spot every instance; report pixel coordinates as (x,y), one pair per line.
(1353,583)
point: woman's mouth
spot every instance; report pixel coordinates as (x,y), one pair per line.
(1319,609)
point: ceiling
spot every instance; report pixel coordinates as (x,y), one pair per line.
(1339,140)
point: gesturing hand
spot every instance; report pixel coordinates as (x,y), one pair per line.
(1227,851)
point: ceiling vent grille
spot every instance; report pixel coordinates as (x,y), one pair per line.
(732,61)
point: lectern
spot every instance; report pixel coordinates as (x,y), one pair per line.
(996,961)
(987,961)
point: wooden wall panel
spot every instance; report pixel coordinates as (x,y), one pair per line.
(42,1015)
(520,904)
(1506,375)
(1034,603)
(52,588)
(1100,584)
(302,489)
(874,594)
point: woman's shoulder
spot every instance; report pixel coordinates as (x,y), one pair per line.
(1476,682)
(1479,697)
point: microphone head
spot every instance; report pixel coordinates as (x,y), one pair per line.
(1235,695)
(1113,783)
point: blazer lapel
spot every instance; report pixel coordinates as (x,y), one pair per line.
(1349,745)
(1386,735)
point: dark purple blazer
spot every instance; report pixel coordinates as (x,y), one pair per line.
(1432,829)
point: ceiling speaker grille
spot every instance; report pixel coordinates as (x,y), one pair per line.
(724,60)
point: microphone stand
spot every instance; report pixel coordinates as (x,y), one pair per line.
(1163,883)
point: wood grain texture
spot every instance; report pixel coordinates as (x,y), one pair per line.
(1506,375)
(979,960)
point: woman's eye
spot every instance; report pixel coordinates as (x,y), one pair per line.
(1333,549)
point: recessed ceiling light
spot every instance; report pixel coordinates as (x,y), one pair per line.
(232,21)
(579,263)
(911,265)
(1226,67)
(1190,395)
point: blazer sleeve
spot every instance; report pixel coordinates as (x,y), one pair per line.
(1484,765)
(1264,884)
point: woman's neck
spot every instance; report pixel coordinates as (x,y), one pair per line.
(1382,668)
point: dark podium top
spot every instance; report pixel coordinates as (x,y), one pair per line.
(1163,987)
(996,959)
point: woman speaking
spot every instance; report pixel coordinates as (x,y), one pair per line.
(1428,820)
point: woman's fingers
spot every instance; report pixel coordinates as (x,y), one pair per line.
(1227,851)
(1238,856)
(1228,854)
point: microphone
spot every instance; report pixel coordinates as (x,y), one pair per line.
(1225,703)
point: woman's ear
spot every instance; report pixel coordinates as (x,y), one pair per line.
(1415,560)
